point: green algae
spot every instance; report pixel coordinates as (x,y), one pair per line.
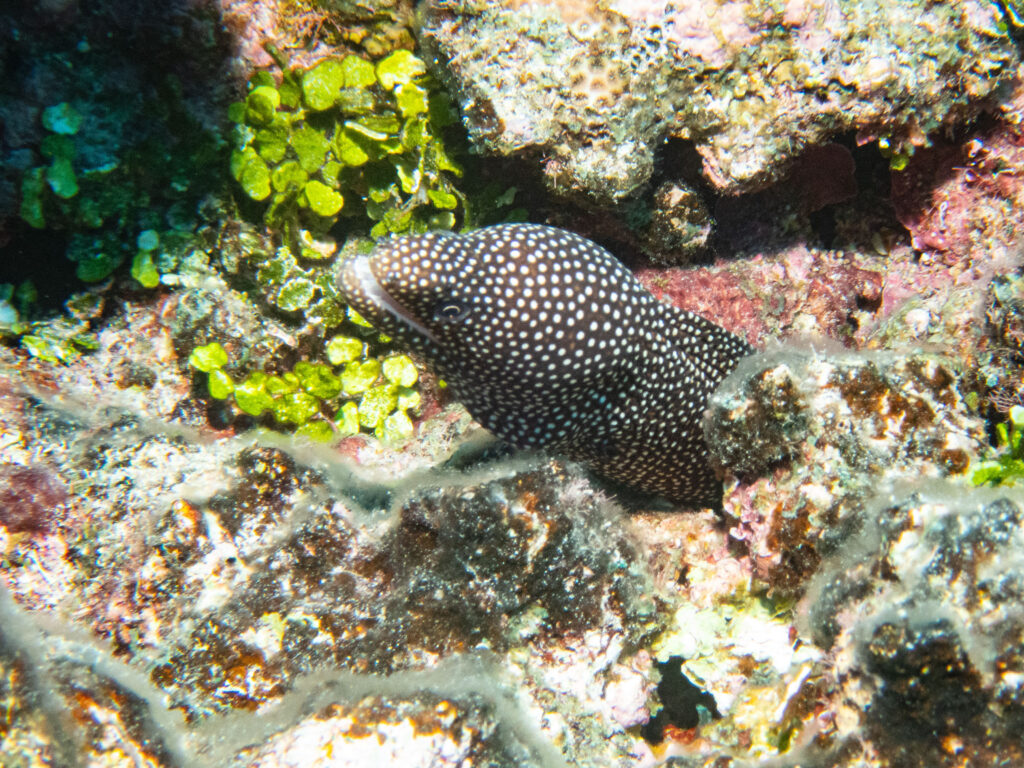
(221,385)
(338,155)
(144,269)
(400,370)
(1007,468)
(251,395)
(347,137)
(344,148)
(209,357)
(62,119)
(99,185)
(318,401)
(359,375)
(59,340)
(33,184)
(344,349)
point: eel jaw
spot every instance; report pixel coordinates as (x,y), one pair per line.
(358,273)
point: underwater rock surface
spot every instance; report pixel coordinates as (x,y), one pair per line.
(932,652)
(182,578)
(821,436)
(596,87)
(201,598)
(182,586)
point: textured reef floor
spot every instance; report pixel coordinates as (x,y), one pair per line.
(192,575)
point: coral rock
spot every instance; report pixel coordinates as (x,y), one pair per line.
(597,86)
(816,436)
(934,647)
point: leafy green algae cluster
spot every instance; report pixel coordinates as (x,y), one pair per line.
(355,391)
(61,121)
(344,148)
(345,145)
(1008,467)
(347,138)
(59,339)
(153,183)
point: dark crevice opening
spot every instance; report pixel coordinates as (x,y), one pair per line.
(683,704)
(39,256)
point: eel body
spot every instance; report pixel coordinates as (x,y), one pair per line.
(551,343)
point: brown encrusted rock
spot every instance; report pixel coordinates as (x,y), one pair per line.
(680,227)
(595,87)
(922,613)
(805,439)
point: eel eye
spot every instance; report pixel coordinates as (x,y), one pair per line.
(450,311)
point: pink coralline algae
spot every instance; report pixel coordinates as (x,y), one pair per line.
(30,498)
(803,291)
(952,195)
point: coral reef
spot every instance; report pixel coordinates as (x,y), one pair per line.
(373,603)
(373,579)
(594,87)
(30,497)
(1000,365)
(229,575)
